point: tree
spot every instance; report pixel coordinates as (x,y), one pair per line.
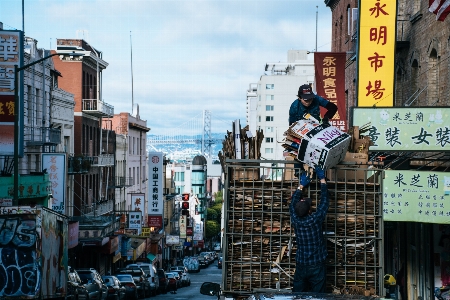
(212,214)
(212,229)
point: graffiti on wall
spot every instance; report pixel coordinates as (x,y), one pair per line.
(19,271)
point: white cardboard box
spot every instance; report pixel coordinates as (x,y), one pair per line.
(324,146)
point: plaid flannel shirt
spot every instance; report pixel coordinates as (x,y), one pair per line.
(311,248)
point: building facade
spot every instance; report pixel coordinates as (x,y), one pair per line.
(276,90)
(415,252)
(92,164)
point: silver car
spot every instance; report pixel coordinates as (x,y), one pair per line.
(93,283)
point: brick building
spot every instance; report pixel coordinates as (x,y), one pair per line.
(92,163)
(422,79)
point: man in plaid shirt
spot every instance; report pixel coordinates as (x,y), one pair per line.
(310,271)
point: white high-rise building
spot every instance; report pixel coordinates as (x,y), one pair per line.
(276,90)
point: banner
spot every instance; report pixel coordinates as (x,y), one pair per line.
(405,128)
(376,55)
(416,196)
(137,202)
(11,54)
(155,183)
(55,164)
(330,84)
(183,226)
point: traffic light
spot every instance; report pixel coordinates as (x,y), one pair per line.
(185,196)
(185,205)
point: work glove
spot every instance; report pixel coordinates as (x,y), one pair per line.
(320,172)
(304,180)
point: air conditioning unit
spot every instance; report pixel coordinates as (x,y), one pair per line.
(352,26)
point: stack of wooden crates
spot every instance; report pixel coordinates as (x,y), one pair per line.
(259,243)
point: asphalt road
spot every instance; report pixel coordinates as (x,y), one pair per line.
(210,274)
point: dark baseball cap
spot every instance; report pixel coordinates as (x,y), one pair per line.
(303,206)
(305,92)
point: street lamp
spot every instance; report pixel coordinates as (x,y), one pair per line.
(17,70)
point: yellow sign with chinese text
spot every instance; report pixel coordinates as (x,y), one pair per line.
(376,55)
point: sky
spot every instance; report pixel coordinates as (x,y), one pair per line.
(176,58)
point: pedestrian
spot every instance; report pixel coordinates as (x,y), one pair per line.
(308,102)
(310,269)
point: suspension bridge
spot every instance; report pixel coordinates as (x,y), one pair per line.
(196,131)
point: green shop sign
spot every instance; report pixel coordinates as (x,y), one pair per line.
(405,128)
(416,196)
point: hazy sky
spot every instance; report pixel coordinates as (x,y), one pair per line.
(188,55)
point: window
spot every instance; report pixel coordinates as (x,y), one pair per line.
(268,150)
(179,176)
(270,86)
(259,118)
(269,118)
(269,129)
(270,97)
(269,107)
(269,140)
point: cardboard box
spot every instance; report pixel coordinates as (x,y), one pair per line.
(355,173)
(245,173)
(324,146)
(288,171)
(362,145)
(359,158)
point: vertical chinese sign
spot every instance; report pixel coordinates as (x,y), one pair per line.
(183,227)
(330,82)
(376,55)
(155,184)
(55,163)
(137,202)
(11,54)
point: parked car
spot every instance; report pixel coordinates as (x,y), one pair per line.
(216,247)
(202,262)
(184,275)
(207,257)
(163,282)
(172,281)
(179,269)
(75,288)
(127,281)
(191,263)
(140,279)
(93,283)
(219,263)
(115,290)
(151,274)
(178,278)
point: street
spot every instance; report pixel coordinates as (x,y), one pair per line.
(210,273)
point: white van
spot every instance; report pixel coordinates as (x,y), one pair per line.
(152,275)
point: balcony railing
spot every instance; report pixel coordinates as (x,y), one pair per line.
(97,108)
(104,160)
(39,136)
(122,182)
(79,164)
(98,209)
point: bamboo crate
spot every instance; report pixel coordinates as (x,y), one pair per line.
(259,243)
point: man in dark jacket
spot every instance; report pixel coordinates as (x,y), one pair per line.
(310,271)
(308,102)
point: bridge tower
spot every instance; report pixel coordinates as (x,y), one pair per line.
(207,141)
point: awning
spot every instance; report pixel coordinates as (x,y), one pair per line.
(151,256)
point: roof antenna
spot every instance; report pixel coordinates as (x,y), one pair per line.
(132,95)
